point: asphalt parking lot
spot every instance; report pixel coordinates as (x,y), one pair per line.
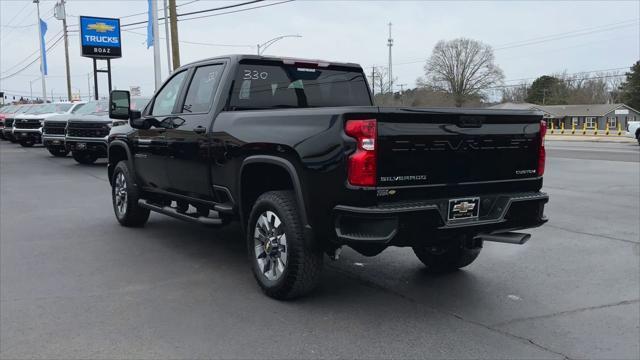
(74,284)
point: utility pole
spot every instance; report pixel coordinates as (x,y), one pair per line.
(175,47)
(402,93)
(89,86)
(390,45)
(167,37)
(156,43)
(373,80)
(42,50)
(61,14)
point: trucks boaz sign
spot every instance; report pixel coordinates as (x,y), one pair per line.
(100,37)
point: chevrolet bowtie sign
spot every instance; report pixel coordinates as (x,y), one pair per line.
(100,37)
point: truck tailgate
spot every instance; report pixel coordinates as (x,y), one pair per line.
(442,147)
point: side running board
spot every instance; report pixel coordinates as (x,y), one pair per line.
(173,212)
(508,237)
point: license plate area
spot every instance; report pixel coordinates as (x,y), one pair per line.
(463,209)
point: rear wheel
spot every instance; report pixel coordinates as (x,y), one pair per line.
(284,265)
(58,151)
(124,196)
(26,143)
(84,157)
(450,255)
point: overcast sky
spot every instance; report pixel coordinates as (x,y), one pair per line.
(531,38)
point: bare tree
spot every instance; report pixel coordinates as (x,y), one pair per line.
(379,79)
(515,94)
(464,68)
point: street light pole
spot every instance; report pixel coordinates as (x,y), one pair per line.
(42,50)
(262,47)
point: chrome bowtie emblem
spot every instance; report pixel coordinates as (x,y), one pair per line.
(464,207)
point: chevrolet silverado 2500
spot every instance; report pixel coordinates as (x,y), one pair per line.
(296,151)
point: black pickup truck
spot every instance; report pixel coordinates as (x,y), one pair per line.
(296,151)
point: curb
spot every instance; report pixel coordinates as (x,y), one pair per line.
(616,139)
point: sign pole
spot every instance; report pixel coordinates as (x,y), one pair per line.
(100,39)
(109,73)
(95,79)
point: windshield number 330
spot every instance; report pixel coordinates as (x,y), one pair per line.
(255,75)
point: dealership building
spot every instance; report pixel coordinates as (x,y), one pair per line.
(594,116)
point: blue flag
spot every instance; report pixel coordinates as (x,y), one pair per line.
(43,30)
(150,26)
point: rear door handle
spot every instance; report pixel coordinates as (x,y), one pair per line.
(200,130)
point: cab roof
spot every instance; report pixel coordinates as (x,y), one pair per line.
(236,58)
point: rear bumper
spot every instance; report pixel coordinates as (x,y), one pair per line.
(408,223)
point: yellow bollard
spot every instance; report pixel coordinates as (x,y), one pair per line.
(562,127)
(552,128)
(584,129)
(595,130)
(573,128)
(619,129)
(606,130)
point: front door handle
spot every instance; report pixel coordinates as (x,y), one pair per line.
(200,130)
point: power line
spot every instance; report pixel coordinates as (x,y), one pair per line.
(30,55)
(32,62)
(190,13)
(194,42)
(212,15)
(576,73)
(551,37)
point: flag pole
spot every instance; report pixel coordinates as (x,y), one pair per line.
(42,52)
(156,48)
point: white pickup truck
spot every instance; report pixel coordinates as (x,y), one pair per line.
(633,130)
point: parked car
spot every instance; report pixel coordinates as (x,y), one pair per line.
(633,130)
(4,112)
(53,130)
(7,132)
(27,127)
(86,133)
(296,151)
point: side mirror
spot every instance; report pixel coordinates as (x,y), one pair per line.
(137,122)
(119,103)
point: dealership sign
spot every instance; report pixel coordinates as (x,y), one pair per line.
(100,37)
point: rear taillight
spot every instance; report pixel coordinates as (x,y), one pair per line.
(362,163)
(542,153)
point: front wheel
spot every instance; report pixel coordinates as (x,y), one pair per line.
(84,157)
(638,137)
(448,256)
(58,151)
(124,196)
(284,265)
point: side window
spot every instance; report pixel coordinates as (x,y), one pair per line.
(166,98)
(200,92)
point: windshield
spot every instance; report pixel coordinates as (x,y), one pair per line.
(269,85)
(139,103)
(34,109)
(100,107)
(53,108)
(22,108)
(7,109)
(78,107)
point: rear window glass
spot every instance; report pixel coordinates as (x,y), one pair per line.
(265,85)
